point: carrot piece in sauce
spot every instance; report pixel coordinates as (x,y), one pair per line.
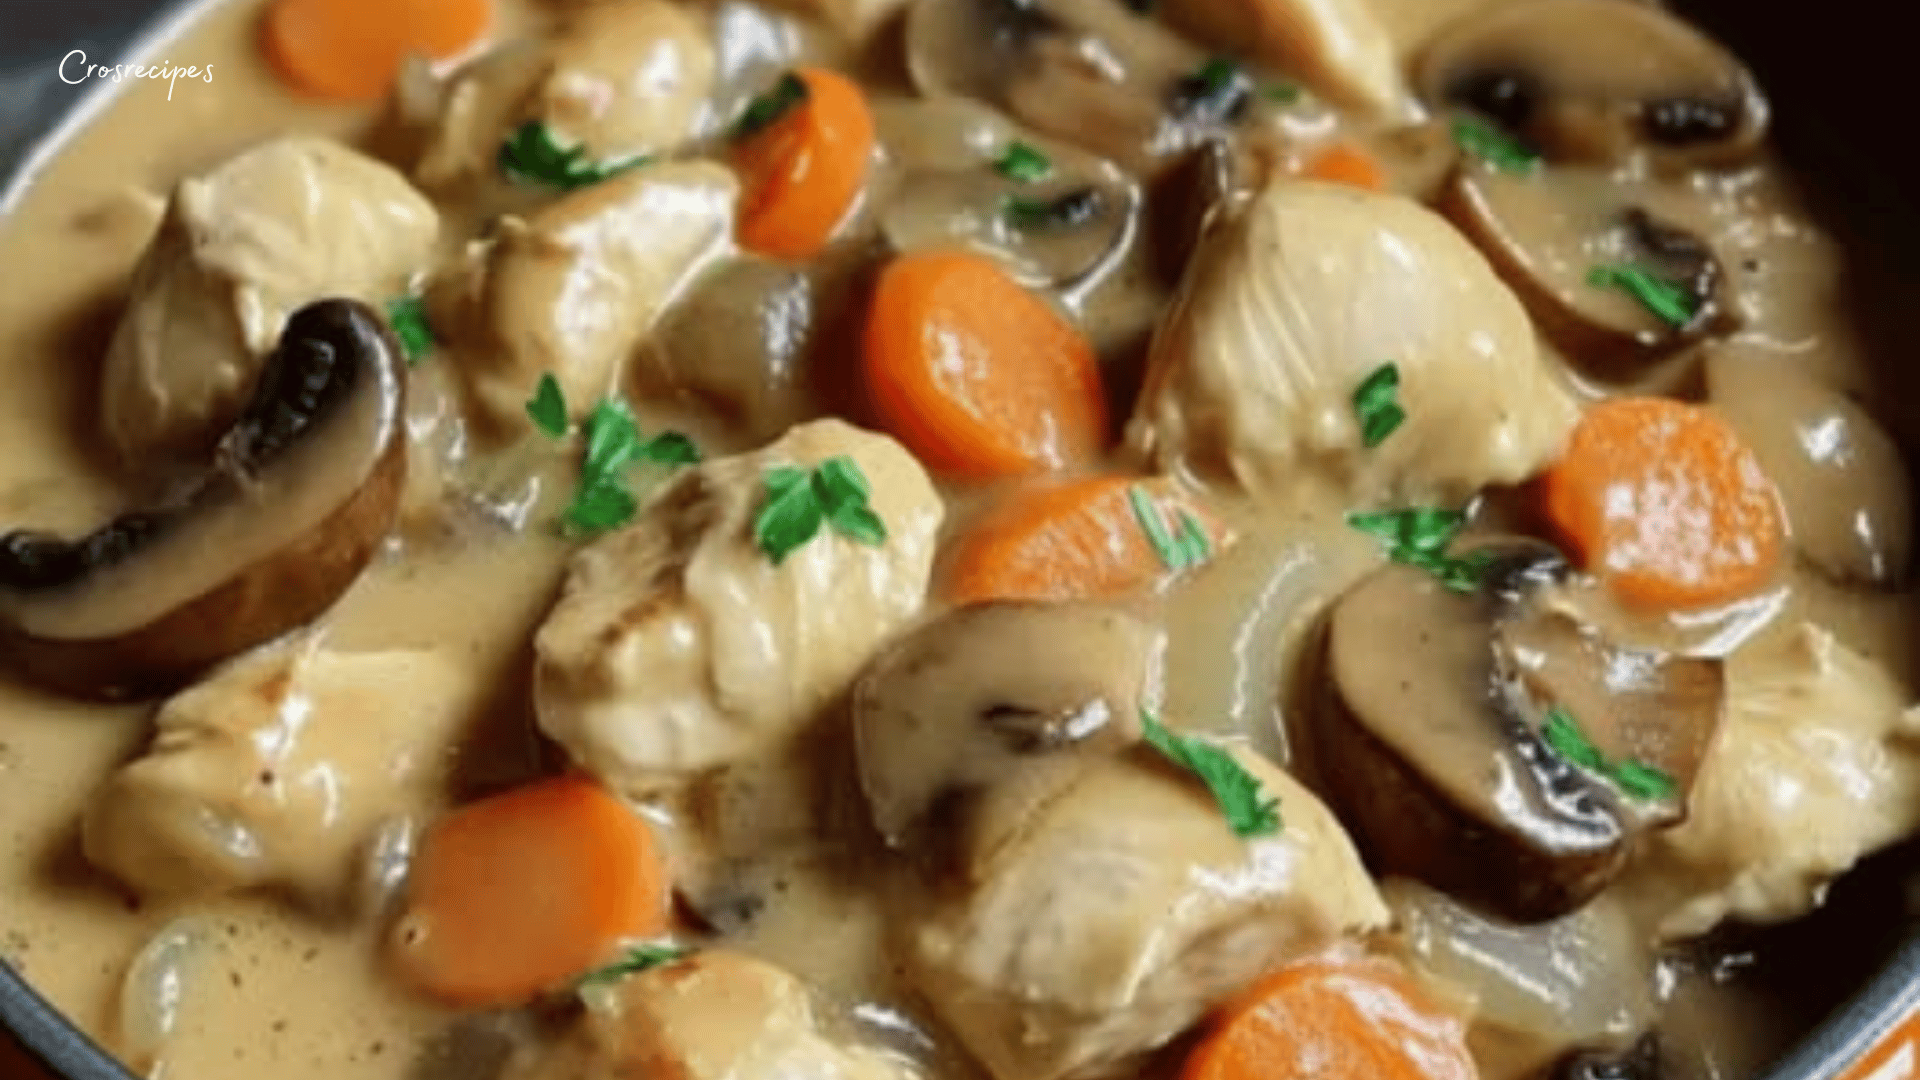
(351,50)
(977,376)
(1664,501)
(802,152)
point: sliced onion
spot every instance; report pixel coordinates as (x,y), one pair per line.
(155,989)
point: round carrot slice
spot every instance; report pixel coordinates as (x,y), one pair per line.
(1665,502)
(802,170)
(977,376)
(514,895)
(1333,1019)
(351,50)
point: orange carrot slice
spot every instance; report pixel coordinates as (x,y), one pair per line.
(802,169)
(351,50)
(514,895)
(977,376)
(1333,1019)
(1083,539)
(1665,502)
(1346,163)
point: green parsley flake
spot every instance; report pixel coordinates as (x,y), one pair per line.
(798,502)
(407,317)
(1282,93)
(640,958)
(1075,208)
(1419,537)
(1636,779)
(1495,147)
(1179,552)
(532,155)
(1375,404)
(762,112)
(1023,164)
(1234,788)
(1669,301)
(548,408)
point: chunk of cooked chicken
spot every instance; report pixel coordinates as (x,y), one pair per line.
(716,1015)
(574,289)
(288,222)
(1339,48)
(1817,765)
(1293,299)
(630,78)
(678,646)
(279,770)
(1123,911)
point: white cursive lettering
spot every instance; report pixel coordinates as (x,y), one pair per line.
(63,67)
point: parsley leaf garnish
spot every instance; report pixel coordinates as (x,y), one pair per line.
(1023,164)
(798,502)
(652,954)
(1282,93)
(763,111)
(1495,147)
(1215,94)
(1637,779)
(548,407)
(1375,404)
(1184,551)
(1419,537)
(532,155)
(1670,302)
(603,501)
(1234,788)
(407,318)
(1072,209)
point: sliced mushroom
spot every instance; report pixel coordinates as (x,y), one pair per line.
(1598,81)
(301,491)
(1018,696)
(1090,72)
(1546,232)
(1054,231)
(1431,734)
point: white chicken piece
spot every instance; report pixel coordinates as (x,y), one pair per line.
(629,79)
(288,222)
(1339,48)
(1816,765)
(279,771)
(716,1015)
(1124,910)
(574,289)
(1293,299)
(678,645)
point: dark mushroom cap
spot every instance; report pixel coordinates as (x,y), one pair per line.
(301,491)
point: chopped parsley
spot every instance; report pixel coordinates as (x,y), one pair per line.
(641,957)
(1183,551)
(1215,94)
(1023,164)
(1419,537)
(1234,788)
(603,501)
(1282,93)
(407,318)
(1495,147)
(1669,301)
(1375,404)
(762,112)
(532,155)
(1637,779)
(1067,211)
(798,502)
(548,408)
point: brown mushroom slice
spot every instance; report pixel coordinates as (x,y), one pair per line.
(1547,231)
(1598,81)
(1089,72)
(302,490)
(1430,735)
(1018,697)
